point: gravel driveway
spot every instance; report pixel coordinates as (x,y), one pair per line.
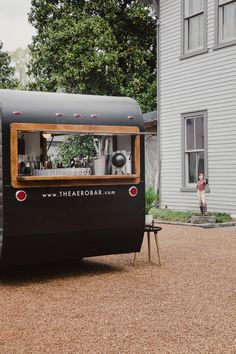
(106,306)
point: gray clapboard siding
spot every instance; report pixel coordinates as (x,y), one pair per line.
(203,82)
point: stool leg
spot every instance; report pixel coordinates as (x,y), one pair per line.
(149,247)
(134,259)
(157,244)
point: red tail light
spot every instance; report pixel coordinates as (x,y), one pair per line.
(21,196)
(133,191)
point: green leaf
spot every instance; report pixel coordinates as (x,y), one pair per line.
(95,47)
(7,79)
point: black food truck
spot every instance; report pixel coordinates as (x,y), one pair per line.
(72,176)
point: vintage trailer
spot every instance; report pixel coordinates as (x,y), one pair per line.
(72,176)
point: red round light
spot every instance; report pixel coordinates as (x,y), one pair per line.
(21,196)
(133,191)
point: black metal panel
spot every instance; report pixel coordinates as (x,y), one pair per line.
(72,222)
(1,190)
(58,223)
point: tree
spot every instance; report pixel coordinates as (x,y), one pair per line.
(20,60)
(7,79)
(95,47)
(75,146)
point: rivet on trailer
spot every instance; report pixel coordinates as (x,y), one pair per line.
(72,176)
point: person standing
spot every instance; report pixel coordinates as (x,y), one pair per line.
(201,184)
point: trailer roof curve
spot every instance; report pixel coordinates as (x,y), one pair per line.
(59,108)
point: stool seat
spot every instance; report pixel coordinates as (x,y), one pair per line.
(152,228)
(148,229)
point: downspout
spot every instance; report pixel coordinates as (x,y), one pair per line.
(156,4)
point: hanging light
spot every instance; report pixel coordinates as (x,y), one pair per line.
(47,135)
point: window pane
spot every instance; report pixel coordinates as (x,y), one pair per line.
(199,133)
(227,21)
(53,154)
(193,7)
(192,173)
(196,32)
(200,163)
(186,36)
(190,134)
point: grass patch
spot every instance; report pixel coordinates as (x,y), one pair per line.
(185,216)
(172,215)
(222,217)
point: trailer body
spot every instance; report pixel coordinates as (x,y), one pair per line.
(52,217)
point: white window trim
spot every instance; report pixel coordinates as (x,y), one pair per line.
(187,54)
(222,44)
(186,187)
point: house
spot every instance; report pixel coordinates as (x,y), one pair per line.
(197,102)
(151,149)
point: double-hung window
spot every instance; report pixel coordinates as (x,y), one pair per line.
(193,26)
(194,147)
(226,21)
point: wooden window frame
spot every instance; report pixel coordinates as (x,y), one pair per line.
(62,181)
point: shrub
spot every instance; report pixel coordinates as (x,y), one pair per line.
(151,198)
(222,217)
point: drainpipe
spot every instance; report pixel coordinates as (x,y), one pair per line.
(158,103)
(156,4)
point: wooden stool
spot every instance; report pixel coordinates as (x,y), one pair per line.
(148,229)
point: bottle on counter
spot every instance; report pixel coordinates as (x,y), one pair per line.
(32,164)
(37,162)
(21,165)
(59,165)
(48,163)
(27,169)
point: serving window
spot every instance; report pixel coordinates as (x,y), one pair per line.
(51,154)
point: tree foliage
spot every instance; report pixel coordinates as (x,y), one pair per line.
(20,59)
(75,146)
(7,79)
(95,47)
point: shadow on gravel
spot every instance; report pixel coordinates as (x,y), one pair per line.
(57,270)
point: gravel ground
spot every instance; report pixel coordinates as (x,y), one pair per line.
(106,306)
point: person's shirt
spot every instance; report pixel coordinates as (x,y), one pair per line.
(201,185)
